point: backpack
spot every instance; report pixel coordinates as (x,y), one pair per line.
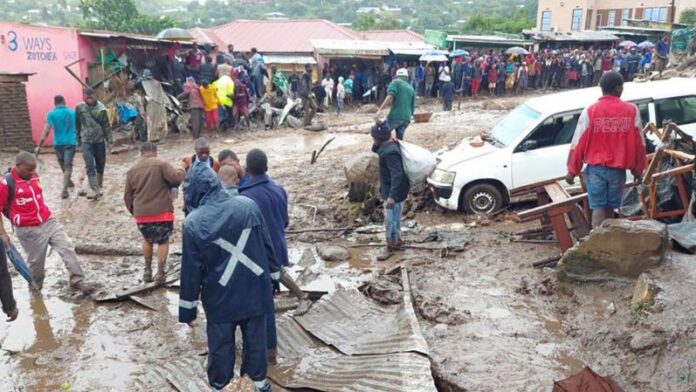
(10,193)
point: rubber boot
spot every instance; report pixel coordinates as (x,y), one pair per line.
(84,188)
(66,184)
(160,278)
(100,182)
(386,253)
(93,188)
(147,274)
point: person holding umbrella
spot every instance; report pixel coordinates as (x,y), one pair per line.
(9,305)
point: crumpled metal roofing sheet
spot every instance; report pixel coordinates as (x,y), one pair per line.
(357,326)
(305,362)
(185,375)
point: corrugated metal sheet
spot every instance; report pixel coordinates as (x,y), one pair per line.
(186,375)
(356,326)
(281,59)
(305,362)
(348,48)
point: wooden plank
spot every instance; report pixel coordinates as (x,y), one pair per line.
(556,192)
(680,155)
(565,241)
(523,190)
(653,166)
(536,212)
(674,172)
(142,302)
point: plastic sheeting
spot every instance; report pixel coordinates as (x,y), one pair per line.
(684,235)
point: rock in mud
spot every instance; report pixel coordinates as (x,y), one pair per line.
(307,258)
(333,253)
(362,174)
(644,340)
(645,290)
(385,289)
(618,247)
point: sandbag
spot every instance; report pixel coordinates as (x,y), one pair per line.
(419,163)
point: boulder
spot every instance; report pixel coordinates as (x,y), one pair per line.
(333,253)
(362,174)
(619,247)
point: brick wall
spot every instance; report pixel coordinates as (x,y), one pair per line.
(15,127)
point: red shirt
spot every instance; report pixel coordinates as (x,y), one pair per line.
(167,216)
(608,134)
(28,207)
(607,63)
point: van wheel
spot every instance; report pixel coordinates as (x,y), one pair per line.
(482,199)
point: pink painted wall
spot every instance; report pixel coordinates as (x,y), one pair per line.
(43,51)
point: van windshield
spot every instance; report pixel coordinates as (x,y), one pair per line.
(510,128)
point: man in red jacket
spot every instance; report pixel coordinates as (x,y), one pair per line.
(608,139)
(34,225)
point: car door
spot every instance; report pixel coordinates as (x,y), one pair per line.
(543,154)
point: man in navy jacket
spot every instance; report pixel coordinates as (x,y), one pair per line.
(273,203)
(228,259)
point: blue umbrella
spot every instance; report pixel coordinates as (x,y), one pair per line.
(459,53)
(19,263)
(645,44)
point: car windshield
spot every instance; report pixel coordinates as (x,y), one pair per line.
(510,128)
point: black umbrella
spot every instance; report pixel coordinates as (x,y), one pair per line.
(19,264)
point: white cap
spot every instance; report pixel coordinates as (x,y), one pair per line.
(403,72)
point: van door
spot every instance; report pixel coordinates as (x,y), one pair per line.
(543,155)
(681,110)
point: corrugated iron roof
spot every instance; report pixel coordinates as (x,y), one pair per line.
(281,36)
(349,48)
(356,326)
(288,59)
(207,36)
(392,35)
(305,362)
(574,36)
(489,39)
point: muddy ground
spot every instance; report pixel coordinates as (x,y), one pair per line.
(493,322)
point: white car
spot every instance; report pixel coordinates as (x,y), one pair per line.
(531,144)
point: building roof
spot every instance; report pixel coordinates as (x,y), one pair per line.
(573,36)
(288,59)
(489,40)
(350,48)
(392,35)
(281,36)
(207,36)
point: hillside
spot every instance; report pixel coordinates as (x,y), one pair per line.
(504,15)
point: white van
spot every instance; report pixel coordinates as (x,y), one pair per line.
(531,144)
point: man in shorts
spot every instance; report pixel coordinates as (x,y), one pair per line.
(608,140)
(241,103)
(147,197)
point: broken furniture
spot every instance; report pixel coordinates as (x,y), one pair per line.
(555,203)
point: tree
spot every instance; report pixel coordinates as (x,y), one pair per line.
(121,16)
(365,22)
(688,16)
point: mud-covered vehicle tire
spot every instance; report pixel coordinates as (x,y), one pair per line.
(482,199)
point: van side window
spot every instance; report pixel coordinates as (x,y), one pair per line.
(643,109)
(555,130)
(681,110)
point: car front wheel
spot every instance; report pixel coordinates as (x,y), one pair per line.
(482,199)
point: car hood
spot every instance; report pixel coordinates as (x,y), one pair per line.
(464,152)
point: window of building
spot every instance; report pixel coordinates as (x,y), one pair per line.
(546,21)
(624,16)
(611,19)
(655,14)
(577,20)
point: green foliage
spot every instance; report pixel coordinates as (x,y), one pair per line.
(639,308)
(515,23)
(122,16)
(688,16)
(371,21)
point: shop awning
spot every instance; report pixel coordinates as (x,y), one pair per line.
(288,59)
(408,48)
(350,48)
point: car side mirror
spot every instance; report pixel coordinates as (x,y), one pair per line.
(529,145)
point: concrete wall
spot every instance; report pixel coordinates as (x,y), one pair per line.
(43,51)
(15,127)
(562,11)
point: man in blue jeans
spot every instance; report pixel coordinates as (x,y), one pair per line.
(393,183)
(93,135)
(62,120)
(402,99)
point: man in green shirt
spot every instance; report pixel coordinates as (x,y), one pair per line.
(402,99)
(93,136)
